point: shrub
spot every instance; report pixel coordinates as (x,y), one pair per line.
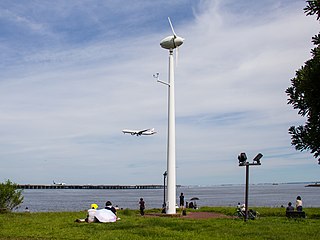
(10,196)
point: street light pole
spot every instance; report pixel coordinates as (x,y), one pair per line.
(247,192)
(243,162)
(164,189)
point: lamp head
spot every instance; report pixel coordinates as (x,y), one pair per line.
(242,159)
(257,158)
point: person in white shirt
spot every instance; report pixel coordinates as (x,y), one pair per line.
(299,204)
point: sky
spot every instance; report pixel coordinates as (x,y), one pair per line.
(73,74)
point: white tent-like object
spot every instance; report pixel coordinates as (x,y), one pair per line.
(105,215)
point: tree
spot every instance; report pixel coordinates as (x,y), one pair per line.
(10,196)
(304,94)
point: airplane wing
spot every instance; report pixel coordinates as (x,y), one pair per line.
(142,131)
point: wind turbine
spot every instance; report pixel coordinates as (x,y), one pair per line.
(170,43)
(173,41)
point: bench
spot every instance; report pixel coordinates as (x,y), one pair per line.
(295,214)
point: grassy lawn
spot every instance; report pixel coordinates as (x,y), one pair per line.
(271,225)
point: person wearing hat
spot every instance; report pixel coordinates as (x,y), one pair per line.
(91,214)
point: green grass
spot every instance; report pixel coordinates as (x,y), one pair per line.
(271,225)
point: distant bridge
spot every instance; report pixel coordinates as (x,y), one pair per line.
(67,186)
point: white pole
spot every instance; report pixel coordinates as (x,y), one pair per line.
(171,154)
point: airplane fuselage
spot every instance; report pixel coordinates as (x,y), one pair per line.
(149,131)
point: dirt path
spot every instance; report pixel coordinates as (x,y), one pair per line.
(205,215)
(192,215)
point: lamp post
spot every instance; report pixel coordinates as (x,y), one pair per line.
(243,162)
(164,189)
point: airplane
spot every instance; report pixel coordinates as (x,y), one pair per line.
(60,184)
(149,131)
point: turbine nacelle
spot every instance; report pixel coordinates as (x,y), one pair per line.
(171,42)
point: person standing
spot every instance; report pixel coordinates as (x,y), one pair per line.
(181,200)
(142,206)
(299,204)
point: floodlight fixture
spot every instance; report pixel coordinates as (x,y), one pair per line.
(242,159)
(257,158)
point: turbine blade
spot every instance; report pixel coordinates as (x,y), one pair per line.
(174,33)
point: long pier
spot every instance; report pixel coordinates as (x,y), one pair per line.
(67,186)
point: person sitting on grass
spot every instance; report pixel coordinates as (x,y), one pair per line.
(110,207)
(99,216)
(90,216)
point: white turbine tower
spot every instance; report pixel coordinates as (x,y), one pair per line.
(170,43)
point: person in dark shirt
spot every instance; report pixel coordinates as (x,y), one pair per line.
(142,206)
(110,207)
(181,200)
(290,208)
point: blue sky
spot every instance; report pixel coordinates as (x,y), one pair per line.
(75,73)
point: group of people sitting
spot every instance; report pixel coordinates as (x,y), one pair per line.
(290,208)
(191,205)
(241,211)
(107,214)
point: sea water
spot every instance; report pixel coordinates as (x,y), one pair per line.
(269,195)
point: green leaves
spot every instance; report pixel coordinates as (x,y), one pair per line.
(10,196)
(304,95)
(312,8)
